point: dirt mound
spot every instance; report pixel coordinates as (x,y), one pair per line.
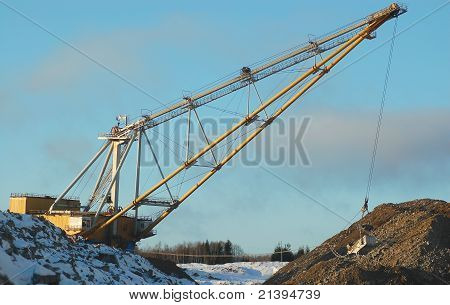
(412,247)
(34,251)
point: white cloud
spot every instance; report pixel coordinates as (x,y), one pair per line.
(125,51)
(412,135)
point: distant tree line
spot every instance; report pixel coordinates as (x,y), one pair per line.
(217,252)
(207,252)
(284,253)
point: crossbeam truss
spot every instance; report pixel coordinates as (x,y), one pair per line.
(342,41)
(247,75)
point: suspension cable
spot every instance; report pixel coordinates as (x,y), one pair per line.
(380,119)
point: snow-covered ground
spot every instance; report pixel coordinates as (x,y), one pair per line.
(33,251)
(232,273)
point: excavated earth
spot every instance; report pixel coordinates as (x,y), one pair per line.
(34,251)
(412,247)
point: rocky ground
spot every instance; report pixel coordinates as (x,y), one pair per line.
(33,251)
(413,240)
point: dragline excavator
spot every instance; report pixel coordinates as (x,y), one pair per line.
(102,219)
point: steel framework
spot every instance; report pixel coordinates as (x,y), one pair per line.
(120,140)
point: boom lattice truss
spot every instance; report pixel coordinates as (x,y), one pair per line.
(119,141)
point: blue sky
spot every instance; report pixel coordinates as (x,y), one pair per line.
(54,102)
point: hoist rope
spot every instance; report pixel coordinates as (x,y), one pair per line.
(380,115)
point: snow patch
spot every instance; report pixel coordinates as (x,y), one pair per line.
(39,270)
(243,273)
(33,251)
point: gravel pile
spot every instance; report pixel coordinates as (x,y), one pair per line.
(33,251)
(413,240)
